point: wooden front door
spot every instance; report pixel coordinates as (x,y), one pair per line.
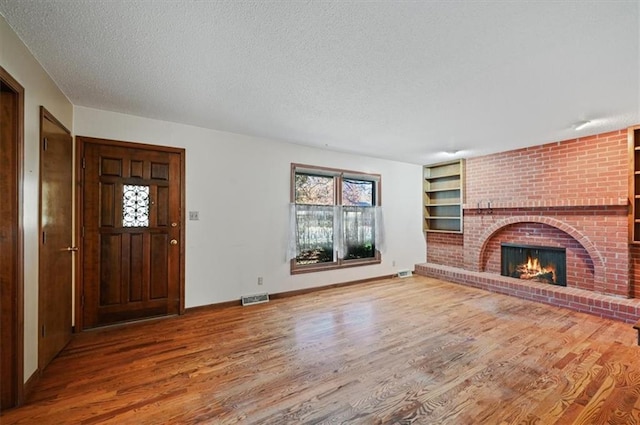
(56,238)
(132,246)
(11,258)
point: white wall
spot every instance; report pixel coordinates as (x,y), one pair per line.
(39,89)
(240,186)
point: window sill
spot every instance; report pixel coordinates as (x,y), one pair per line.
(340,264)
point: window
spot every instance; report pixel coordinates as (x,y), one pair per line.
(335,219)
(135,206)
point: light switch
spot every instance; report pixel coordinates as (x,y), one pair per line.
(194,215)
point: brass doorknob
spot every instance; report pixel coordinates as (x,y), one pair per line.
(173,242)
(71,248)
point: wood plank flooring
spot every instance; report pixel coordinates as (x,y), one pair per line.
(401,351)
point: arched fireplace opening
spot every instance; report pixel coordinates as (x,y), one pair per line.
(514,249)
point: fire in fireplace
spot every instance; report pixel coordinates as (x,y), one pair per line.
(538,263)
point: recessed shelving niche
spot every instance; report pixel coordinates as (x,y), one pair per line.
(634,184)
(443,196)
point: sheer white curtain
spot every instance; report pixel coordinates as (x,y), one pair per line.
(316,227)
(363,231)
(292,247)
(379,231)
(358,233)
(311,227)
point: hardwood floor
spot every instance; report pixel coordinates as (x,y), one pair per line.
(399,351)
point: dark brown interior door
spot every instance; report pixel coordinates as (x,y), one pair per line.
(132,225)
(11,339)
(56,240)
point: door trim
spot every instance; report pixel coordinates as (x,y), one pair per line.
(18,348)
(81,141)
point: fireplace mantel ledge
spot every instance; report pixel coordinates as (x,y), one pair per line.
(546,203)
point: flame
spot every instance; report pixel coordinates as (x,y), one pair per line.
(533,269)
(533,265)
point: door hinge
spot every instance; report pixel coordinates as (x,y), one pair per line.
(84,162)
(42,331)
(45,144)
(82,301)
(44,238)
(83,231)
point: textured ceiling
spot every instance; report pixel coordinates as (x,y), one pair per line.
(403,80)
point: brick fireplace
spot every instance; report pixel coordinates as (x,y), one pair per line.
(572,195)
(546,264)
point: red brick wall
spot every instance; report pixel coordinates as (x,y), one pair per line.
(591,170)
(445,249)
(571,194)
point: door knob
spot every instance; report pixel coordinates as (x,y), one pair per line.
(173,242)
(71,248)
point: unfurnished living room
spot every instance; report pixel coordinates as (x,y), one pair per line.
(314,212)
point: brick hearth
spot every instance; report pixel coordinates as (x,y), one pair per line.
(624,309)
(571,194)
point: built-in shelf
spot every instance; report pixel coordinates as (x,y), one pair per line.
(634,184)
(443,197)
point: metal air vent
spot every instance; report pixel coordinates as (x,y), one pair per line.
(255,299)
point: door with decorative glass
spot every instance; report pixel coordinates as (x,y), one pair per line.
(131,220)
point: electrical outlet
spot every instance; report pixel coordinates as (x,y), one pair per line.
(260,280)
(194,215)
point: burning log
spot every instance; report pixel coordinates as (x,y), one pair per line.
(545,277)
(529,272)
